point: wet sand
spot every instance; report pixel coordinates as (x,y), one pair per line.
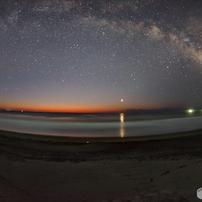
(43,168)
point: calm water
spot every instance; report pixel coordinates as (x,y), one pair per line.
(98,125)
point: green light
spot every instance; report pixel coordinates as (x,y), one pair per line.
(190,111)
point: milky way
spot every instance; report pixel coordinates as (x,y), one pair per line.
(93,56)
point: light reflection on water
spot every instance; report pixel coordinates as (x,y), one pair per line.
(119,125)
(122,125)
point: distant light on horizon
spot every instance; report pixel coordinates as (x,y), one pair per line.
(190,110)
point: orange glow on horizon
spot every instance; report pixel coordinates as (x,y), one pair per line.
(66,110)
(74,108)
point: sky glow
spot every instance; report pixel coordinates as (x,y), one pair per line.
(100,56)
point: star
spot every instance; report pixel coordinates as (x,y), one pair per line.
(56,54)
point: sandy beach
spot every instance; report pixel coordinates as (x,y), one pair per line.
(44,168)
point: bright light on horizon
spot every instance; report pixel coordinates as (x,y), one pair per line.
(190,110)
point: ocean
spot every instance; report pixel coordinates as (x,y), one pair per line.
(98,125)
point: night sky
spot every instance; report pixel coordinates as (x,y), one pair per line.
(100,56)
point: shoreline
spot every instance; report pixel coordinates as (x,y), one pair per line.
(63,139)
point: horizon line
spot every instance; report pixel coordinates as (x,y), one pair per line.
(100,112)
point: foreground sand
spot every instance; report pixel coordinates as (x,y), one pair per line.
(35,168)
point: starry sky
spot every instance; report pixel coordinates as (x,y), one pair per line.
(101,55)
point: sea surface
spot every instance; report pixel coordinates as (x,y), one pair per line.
(98,125)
